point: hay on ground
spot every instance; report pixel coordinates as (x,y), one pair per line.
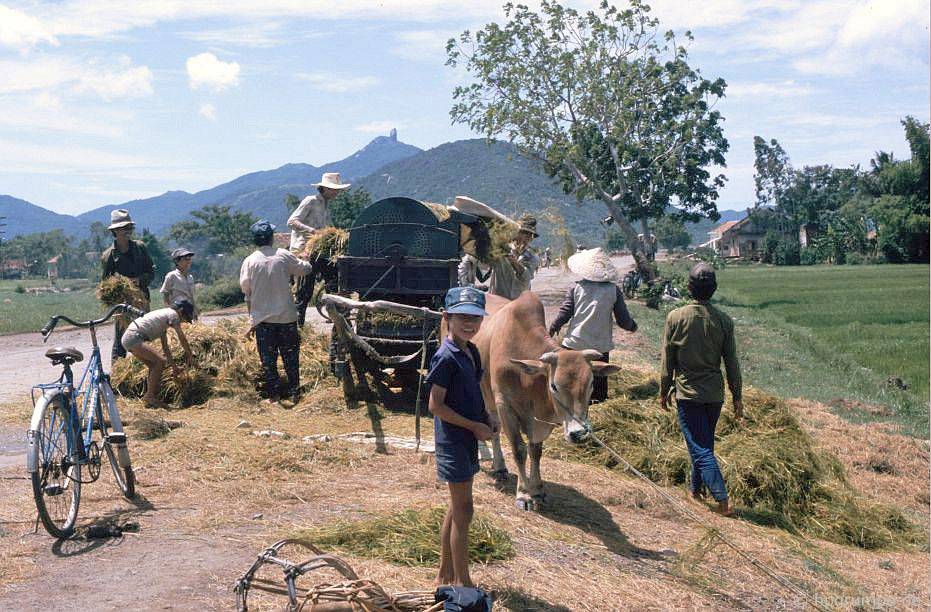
(226,363)
(118,289)
(326,244)
(440,211)
(410,537)
(773,471)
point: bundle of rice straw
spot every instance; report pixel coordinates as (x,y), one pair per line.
(118,289)
(440,211)
(492,240)
(327,244)
(226,363)
(770,464)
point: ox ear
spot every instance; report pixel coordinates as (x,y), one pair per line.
(530,366)
(600,368)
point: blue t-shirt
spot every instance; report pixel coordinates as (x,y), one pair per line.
(452,369)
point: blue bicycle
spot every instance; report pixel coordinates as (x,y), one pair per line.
(61,440)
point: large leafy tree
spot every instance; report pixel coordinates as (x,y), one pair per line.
(213,230)
(347,205)
(606,100)
(773,172)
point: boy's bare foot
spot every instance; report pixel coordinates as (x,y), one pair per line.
(271,400)
(697,496)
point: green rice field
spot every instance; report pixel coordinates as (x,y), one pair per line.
(23,312)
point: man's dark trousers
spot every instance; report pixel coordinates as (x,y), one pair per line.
(698,421)
(274,339)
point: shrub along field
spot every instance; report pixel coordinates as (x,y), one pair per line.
(837,334)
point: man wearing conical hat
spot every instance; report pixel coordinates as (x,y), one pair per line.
(511,275)
(128,258)
(589,307)
(313,213)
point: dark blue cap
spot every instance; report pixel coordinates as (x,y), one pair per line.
(465,300)
(262,228)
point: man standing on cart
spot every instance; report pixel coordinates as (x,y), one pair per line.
(312,214)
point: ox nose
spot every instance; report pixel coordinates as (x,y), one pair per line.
(577,436)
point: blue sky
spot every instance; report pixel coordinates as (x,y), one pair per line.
(103,101)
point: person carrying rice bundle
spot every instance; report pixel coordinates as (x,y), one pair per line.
(696,338)
(511,275)
(588,309)
(265,281)
(178,283)
(128,258)
(310,216)
(155,325)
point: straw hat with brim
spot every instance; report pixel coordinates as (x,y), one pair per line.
(528,224)
(119,218)
(332,180)
(593,265)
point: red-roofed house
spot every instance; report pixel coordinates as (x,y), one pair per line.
(736,239)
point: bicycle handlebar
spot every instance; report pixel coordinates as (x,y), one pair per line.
(50,326)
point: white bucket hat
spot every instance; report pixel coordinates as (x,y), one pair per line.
(593,265)
(332,180)
(119,218)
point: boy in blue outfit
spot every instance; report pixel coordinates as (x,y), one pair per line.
(460,420)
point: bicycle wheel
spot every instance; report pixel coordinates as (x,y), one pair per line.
(56,482)
(113,445)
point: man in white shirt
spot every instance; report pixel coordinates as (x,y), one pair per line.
(313,212)
(265,282)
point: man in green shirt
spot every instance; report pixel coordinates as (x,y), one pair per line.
(128,258)
(696,338)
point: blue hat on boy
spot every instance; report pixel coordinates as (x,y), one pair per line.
(465,300)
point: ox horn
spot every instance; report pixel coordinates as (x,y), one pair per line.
(549,358)
(592,355)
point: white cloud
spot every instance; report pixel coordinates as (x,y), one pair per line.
(783,89)
(258,35)
(133,82)
(55,75)
(209,111)
(22,31)
(337,83)
(378,127)
(208,71)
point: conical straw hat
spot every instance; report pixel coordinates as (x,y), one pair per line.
(593,265)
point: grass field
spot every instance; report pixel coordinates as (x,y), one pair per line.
(20,312)
(835,334)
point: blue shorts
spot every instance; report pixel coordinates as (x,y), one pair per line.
(457,462)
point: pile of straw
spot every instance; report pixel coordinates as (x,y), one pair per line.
(226,363)
(326,244)
(118,289)
(440,211)
(410,537)
(772,469)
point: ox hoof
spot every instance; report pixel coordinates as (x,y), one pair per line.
(501,475)
(540,499)
(527,504)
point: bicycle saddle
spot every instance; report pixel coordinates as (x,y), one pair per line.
(64,354)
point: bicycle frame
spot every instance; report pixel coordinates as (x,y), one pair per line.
(90,391)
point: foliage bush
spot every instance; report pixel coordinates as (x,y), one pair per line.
(864,259)
(20,289)
(223,293)
(787,253)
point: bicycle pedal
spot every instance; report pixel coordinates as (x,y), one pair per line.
(53,489)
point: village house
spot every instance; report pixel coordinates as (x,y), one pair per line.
(736,239)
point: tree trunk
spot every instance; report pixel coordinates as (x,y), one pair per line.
(630,235)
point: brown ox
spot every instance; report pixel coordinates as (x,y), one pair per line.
(534,384)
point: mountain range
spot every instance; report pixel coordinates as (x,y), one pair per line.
(492,172)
